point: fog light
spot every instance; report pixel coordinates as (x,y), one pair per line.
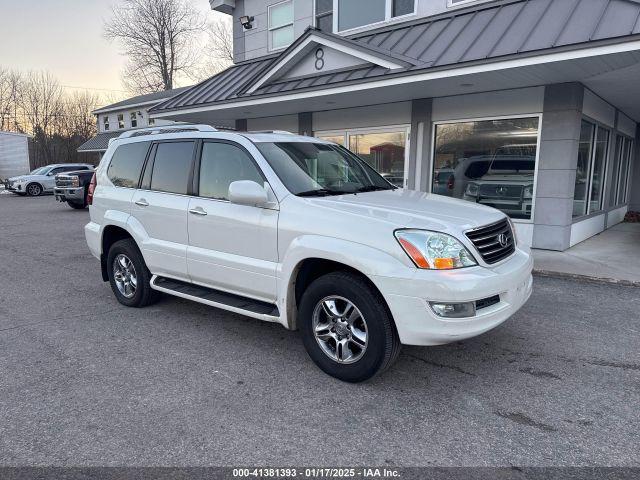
(454,310)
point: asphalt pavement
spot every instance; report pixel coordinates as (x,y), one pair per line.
(85,381)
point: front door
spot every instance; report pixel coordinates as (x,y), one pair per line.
(160,206)
(231,247)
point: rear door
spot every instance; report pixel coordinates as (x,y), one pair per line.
(160,205)
(231,247)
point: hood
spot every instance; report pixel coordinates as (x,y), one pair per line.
(22,178)
(412,209)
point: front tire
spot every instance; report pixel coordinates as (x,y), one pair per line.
(34,189)
(77,206)
(347,328)
(129,276)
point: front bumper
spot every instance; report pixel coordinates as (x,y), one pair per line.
(69,194)
(417,324)
(13,187)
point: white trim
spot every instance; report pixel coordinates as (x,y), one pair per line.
(421,77)
(301,49)
(271,28)
(347,132)
(388,18)
(484,119)
(464,3)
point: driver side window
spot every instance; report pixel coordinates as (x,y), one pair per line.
(222,164)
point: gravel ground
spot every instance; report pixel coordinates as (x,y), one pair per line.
(85,381)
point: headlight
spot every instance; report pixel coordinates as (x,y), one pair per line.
(471,190)
(528,191)
(434,250)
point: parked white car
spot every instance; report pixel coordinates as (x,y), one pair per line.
(41,180)
(300,231)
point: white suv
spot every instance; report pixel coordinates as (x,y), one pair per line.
(302,232)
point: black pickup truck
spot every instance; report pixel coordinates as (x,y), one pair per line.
(72,187)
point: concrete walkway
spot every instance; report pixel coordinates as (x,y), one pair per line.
(613,255)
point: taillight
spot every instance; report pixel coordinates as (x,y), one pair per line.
(92,188)
(451,182)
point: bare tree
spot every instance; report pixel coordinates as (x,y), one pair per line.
(160,39)
(220,41)
(218,50)
(40,100)
(10,83)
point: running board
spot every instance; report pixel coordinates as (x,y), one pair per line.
(217,298)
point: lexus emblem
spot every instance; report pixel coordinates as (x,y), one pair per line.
(503,240)
(502,191)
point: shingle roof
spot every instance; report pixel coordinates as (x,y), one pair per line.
(480,33)
(99,143)
(149,97)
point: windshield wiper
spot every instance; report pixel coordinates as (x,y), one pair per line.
(320,192)
(373,188)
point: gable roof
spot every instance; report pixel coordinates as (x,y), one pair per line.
(313,38)
(149,98)
(476,34)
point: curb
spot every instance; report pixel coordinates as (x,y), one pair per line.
(585,278)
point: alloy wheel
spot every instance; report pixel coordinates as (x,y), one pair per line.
(124,275)
(340,329)
(34,190)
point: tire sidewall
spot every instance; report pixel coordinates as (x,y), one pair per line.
(128,248)
(375,317)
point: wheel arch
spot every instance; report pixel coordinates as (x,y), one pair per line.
(309,258)
(110,235)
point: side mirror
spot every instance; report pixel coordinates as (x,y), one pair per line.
(247,192)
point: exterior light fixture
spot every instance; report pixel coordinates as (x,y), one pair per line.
(247,22)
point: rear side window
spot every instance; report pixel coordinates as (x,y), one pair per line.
(221,165)
(172,166)
(126,164)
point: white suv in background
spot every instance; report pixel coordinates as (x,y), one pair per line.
(302,232)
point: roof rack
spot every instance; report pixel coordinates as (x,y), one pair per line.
(281,132)
(178,128)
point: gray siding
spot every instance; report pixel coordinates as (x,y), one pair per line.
(251,44)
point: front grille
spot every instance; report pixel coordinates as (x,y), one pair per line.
(508,192)
(65,181)
(487,241)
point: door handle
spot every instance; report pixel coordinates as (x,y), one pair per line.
(142,202)
(197,211)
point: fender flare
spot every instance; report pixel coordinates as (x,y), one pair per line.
(128,223)
(362,258)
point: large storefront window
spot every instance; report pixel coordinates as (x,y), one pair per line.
(491,162)
(384,149)
(592,160)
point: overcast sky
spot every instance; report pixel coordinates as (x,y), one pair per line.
(65,38)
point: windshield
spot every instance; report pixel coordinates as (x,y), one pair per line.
(39,171)
(309,169)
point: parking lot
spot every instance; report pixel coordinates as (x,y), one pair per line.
(86,381)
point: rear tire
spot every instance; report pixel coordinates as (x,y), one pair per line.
(129,276)
(340,312)
(34,189)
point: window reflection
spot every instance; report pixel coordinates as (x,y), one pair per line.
(491,162)
(383,151)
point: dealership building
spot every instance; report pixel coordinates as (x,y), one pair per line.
(529,106)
